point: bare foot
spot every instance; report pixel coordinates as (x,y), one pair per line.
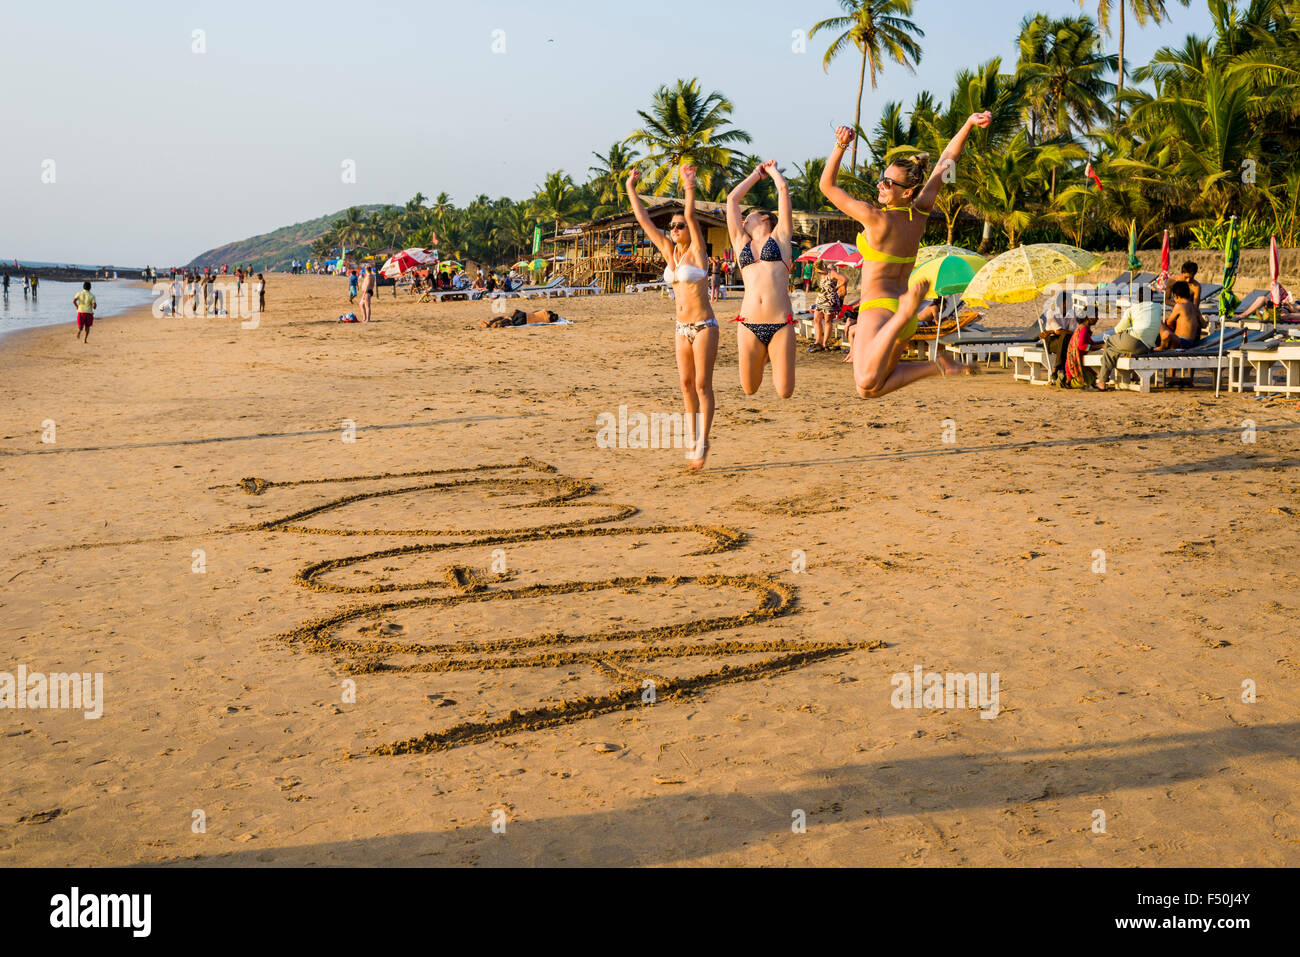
(910,302)
(696,464)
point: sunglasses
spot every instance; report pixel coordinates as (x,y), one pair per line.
(889,182)
(676,225)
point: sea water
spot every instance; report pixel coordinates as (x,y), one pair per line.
(53,303)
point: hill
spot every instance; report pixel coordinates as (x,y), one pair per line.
(277,248)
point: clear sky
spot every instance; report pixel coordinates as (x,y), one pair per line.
(161,152)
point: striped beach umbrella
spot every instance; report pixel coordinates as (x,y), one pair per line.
(400,263)
(828,252)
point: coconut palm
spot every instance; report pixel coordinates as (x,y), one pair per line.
(805,185)
(612,171)
(1143,10)
(685,125)
(557,199)
(877,29)
(1064,73)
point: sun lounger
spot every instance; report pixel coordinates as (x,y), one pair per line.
(1155,366)
(983,347)
(553,288)
(592,289)
(644,286)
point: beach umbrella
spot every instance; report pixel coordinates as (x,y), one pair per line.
(1274,275)
(537,264)
(403,262)
(828,252)
(926,253)
(1227,301)
(1021,274)
(1162,281)
(948,276)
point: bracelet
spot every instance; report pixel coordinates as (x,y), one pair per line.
(842,146)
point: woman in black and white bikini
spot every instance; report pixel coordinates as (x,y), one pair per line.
(696,336)
(766,330)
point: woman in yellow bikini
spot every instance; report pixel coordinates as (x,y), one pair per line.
(891,235)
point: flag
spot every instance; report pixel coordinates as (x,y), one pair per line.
(1134,264)
(1275,289)
(1092,175)
(537,238)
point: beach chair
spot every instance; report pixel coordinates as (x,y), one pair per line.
(1154,367)
(553,288)
(984,346)
(593,288)
(646,286)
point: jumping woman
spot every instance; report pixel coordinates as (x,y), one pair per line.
(696,337)
(891,235)
(766,330)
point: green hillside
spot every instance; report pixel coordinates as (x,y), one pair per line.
(274,249)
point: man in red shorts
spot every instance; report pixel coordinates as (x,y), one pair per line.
(85,302)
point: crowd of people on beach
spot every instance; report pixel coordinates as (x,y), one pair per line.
(201,294)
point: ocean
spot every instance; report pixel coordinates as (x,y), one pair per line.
(53,304)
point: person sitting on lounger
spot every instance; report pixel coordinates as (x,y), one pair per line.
(1183,328)
(1059,321)
(1077,375)
(1136,335)
(1189,277)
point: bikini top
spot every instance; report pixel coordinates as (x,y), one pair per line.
(685,272)
(770,253)
(875,255)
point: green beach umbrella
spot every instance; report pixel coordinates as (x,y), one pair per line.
(1227,300)
(537,264)
(950,274)
(1134,264)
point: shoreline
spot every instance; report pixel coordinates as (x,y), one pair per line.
(141,310)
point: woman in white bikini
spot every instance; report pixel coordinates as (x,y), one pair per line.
(766,330)
(891,235)
(696,336)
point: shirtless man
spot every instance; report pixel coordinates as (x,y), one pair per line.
(367,292)
(1182,330)
(1189,277)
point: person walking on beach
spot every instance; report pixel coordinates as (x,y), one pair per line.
(26,284)
(696,335)
(177,289)
(35,281)
(352,286)
(85,303)
(887,316)
(260,289)
(367,292)
(6,285)
(766,330)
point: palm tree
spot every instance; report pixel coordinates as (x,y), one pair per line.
(612,171)
(1064,73)
(557,199)
(687,126)
(1143,10)
(805,186)
(351,228)
(877,28)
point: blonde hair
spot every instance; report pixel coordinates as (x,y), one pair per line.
(916,167)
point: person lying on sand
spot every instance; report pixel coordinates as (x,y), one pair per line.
(520,318)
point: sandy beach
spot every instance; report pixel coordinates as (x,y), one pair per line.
(374,594)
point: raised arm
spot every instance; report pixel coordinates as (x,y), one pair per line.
(924,200)
(692,224)
(735,223)
(838,196)
(784,231)
(653,232)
